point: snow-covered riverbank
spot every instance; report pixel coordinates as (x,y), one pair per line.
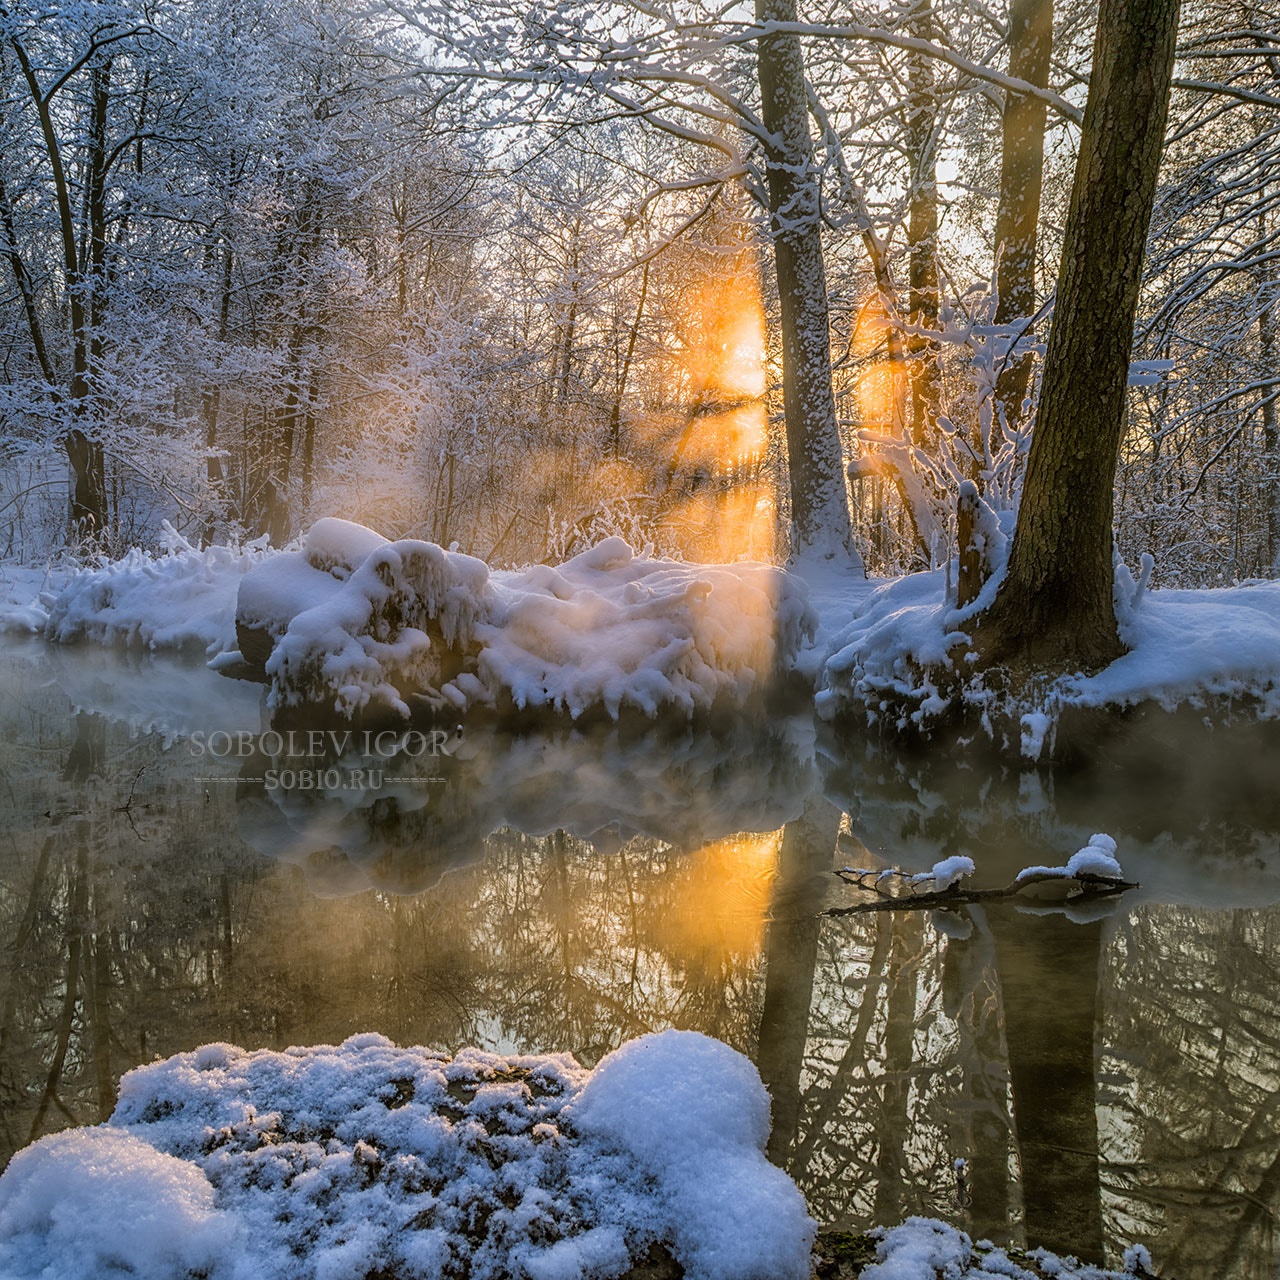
(353,622)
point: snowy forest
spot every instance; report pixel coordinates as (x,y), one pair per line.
(501,276)
(639,641)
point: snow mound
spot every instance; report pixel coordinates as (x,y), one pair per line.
(183,598)
(412,622)
(615,629)
(399,624)
(330,1162)
(904,654)
(926,1249)
(64,1199)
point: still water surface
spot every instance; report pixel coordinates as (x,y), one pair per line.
(1106,1080)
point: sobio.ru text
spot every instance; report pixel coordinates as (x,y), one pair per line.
(319,742)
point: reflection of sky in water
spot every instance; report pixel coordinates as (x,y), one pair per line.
(570,890)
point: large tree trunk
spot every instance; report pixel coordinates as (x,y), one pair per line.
(1055,608)
(820,520)
(922,228)
(1021,177)
(791,955)
(1270,436)
(84,454)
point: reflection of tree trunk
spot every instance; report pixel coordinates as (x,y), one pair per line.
(84,760)
(224,918)
(791,952)
(827,1097)
(76,908)
(899,1036)
(981,1126)
(1049,979)
(100,1005)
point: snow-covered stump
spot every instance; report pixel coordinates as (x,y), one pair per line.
(367,629)
(367,1160)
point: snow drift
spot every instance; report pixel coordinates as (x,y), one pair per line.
(369,1159)
(367,626)
(906,654)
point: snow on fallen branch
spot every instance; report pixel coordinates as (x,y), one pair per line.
(1092,872)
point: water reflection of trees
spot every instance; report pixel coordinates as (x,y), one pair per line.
(1104,1082)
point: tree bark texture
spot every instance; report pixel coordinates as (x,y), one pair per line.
(1055,608)
(1021,180)
(922,227)
(820,520)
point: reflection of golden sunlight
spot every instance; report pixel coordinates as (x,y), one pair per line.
(720,905)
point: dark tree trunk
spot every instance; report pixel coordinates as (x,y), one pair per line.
(84,454)
(1049,985)
(212,400)
(1055,608)
(1270,436)
(1021,178)
(922,229)
(615,417)
(819,500)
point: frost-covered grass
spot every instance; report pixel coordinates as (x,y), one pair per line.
(361,1160)
(182,598)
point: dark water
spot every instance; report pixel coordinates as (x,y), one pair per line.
(1106,1080)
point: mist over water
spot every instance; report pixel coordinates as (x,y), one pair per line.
(1106,1080)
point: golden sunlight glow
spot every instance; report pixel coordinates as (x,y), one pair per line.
(719,909)
(881,385)
(718,445)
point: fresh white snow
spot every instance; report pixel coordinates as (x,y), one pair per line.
(926,1249)
(1184,646)
(181,598)
(607,628)
(326,1163)
(1097,858)
(363,622)
(945,873)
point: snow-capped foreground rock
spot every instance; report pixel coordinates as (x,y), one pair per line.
(340,1163)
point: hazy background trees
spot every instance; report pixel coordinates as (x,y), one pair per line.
(507,280)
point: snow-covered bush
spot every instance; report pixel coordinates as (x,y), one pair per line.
(366,1159)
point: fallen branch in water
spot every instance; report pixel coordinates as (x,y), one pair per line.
(1090,884)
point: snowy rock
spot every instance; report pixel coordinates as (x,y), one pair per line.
(319,1163)
(339,546)
(411,623)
